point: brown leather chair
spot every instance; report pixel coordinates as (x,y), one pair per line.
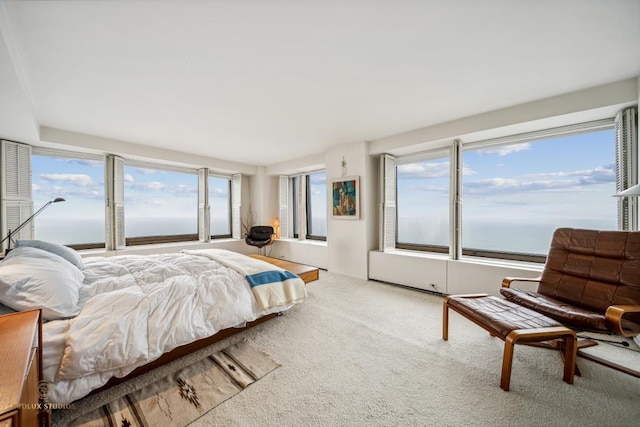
(590,282)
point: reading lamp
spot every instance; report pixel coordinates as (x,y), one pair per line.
(27,221)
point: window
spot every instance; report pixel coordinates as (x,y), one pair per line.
(317,206)
(303,203)
(163,203)
(80,220)
(220,206)
(160,204)
(515,195)
(423,202)
(506,195)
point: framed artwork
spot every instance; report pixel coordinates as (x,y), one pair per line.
(345,195)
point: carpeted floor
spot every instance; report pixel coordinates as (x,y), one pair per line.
(363,353)
(360,353)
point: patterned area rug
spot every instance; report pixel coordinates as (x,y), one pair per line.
(180,398)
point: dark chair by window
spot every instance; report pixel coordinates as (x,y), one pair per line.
(260,236)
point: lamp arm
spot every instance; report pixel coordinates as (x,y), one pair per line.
(27,221)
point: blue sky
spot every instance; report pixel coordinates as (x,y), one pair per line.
(565,181)
(149,194)
(556,182)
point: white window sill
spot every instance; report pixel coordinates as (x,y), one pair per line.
(506,263)
(302,242)
(167,247)
(417,254)
(522,265)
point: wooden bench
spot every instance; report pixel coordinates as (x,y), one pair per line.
(306,272)
(513,324)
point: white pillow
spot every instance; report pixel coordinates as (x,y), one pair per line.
(64,251)
(33,278)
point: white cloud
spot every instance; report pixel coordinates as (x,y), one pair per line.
(544,182)
(82,180)
(217,192)
(598,174)
(506,149)
(128,178)
(184,190)
(155,186)
(85,162)
(424,170)
(145,171)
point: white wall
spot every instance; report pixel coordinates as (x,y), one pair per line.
(580,106)
(439,274)
(18,120)
(263,202)
(309,252)
(347,239)
(57,138)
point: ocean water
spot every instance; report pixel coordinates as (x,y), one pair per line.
(505,236)
(78,231)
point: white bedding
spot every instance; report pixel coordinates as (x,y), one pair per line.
(134,309)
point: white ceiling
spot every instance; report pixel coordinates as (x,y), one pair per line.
(260,82)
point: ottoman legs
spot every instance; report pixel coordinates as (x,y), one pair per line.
(537,335)
(517,335)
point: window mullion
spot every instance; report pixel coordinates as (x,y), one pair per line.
(455,247)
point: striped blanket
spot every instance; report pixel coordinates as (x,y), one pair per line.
(272,286)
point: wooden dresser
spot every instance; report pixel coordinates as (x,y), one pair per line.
(21,370)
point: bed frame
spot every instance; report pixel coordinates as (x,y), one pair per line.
(307,273)
(178,352)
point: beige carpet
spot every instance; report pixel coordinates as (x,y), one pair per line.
(360,353)
(363,353)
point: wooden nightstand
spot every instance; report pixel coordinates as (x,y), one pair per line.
(21,371)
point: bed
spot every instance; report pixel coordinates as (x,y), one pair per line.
(110,317)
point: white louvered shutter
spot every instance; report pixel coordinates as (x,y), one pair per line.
(626,128)
(283,204)
(119,202)
(302,207)
(388,168)
(204,226)
(236,205)
(17,204)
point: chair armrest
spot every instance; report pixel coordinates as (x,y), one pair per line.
(613,318)
(506,282)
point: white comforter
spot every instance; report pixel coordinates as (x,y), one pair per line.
(134,309)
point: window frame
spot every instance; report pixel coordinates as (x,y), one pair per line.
(75,155)
(295,194)
(308,207)
(298,203)
(166,238)
(228,235)
(456,148)
(434,154)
